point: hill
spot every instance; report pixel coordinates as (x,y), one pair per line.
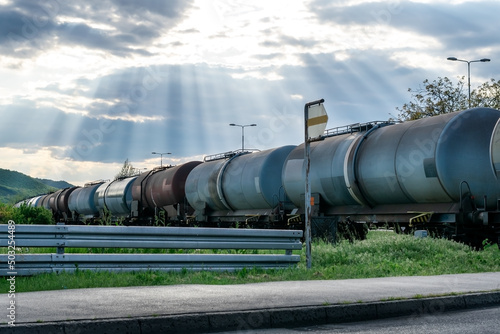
(55,184)
(15,186)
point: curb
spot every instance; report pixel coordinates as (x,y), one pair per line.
(264,318)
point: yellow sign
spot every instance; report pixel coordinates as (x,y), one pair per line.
(317,120)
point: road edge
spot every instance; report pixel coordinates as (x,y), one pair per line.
(266,318)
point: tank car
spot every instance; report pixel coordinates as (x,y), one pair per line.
(115,197)
(82,202)
(239,187)
(57,202)
(33,201)
(437,171)
(162,190)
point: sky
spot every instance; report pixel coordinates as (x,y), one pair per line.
(86,85)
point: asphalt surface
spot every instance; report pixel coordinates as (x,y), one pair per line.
(205,308)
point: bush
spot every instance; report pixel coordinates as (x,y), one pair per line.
(25,214)
(6,213)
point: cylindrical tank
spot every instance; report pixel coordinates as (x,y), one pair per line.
(425,161)
(392,163)
(116,196)
(29,202)
(201,186)
(253,181)
(61,201)
(162,187)
(43,202)
(100,195)
(82,202)
(422,161)
(52,200)
(326,173)
(242,182)
(495,149)
(34,201)
(463,154)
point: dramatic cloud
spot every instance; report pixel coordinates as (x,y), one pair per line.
(86,85)
(122,28)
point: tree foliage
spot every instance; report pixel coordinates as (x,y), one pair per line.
(487,95)
(127,170)
(442,96)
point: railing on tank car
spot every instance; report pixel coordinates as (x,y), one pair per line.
(230,154)
(356,127)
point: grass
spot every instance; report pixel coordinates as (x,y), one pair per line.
(383,254)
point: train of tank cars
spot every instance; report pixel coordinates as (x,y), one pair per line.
(439,173)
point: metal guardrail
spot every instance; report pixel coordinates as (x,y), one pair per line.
(76,236)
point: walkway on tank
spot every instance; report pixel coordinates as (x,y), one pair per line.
(203,308)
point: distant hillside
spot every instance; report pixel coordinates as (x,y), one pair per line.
(55,184)
(15,186)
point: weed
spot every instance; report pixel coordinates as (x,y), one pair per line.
(160,219)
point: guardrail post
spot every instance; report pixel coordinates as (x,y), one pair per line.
(60,235)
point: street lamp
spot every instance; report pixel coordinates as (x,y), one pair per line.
(484,60)
(161,157)
(242,133)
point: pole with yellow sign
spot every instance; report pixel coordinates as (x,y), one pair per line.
(315,119)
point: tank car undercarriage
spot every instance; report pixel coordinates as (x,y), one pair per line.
(462,222)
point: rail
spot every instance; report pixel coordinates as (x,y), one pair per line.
(77,236)
(351,128)
(230,154)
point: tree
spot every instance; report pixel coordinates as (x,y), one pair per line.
(487,95)
(442,96)
(437,97)
(127,170)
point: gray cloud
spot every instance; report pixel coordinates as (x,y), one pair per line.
(191,103)
(195,103)
(290,40)
(28,28)
(463,25)
(186,108)
(268,56)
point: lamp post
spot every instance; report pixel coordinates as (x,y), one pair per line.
(483,60)
(161,157)
(242,133)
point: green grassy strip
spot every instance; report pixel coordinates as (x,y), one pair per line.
(383,254)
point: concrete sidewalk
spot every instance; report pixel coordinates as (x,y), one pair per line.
(202,308)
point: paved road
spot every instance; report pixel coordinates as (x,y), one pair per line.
(479,321)
(244,306)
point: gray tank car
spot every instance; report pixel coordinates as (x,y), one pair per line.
(115,196)
(238,187)
(439,171)
(82,202)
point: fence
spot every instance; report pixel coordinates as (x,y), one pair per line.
(76,236)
